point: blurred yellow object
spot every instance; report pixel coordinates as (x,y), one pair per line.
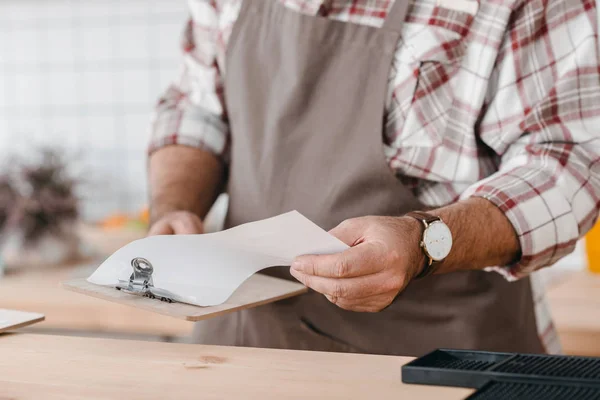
(115,221)
(145,216)
(123,221)
(592,245)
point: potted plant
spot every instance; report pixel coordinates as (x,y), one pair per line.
(40,214)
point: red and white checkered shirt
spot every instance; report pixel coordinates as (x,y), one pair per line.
(491,98)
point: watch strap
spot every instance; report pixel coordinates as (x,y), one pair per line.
(427,268)
(423,216)
(426,219)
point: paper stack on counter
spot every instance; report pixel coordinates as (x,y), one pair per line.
(13,319)
(205,270)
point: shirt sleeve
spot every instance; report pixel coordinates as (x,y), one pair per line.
(192,110)
(542,119)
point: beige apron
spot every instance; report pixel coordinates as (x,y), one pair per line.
(306,100)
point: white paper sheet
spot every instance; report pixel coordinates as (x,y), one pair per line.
(205,270)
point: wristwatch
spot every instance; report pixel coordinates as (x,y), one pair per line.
(436,241)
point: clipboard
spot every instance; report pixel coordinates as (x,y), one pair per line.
(12,319)
(195,277)
(257,290)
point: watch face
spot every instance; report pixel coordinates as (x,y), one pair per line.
(437,240)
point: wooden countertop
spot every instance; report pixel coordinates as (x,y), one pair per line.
(40,291)
(51,367)
(575,307)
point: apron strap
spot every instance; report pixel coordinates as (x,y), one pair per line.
(397,15)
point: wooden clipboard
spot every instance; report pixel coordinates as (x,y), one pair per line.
(12,319)
(255,291)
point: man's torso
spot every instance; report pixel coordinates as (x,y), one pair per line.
(437,84)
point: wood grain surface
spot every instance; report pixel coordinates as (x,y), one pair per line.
(40,291)
(55,367)
(575,307)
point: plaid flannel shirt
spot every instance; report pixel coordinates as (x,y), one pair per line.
(501,102)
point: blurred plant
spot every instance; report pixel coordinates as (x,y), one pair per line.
(46,197)
(39,211)
(39,198)
(8,199)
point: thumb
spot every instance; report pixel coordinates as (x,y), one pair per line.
(349,231)
(161,228)
(187,226)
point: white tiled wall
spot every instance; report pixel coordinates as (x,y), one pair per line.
(85,75)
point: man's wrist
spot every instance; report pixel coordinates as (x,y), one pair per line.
(482,236)
(416,255)
(182,178)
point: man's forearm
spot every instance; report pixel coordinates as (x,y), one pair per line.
(183,178)
(482,235)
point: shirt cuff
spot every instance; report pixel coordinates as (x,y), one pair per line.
(192,126)
(540,214)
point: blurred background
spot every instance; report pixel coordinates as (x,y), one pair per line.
(78,83)
(83,76)
(79,80)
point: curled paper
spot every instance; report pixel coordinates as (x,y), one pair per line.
(205,270)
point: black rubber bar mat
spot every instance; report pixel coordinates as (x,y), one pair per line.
(535,391)
(474,369)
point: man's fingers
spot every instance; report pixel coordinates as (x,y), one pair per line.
(161,228)
(186,226)
(337,288)
(177,223)
(354,262)
(374,303)
(351,288)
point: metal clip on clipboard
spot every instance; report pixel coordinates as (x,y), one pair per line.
(140,283)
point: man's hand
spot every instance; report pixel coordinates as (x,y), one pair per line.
(385,255)
(177,223)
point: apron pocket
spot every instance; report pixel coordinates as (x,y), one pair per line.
(321,341)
